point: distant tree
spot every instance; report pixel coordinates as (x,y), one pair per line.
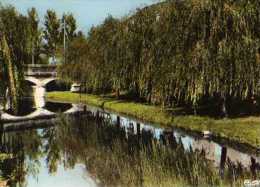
(35,35)
(71,26)
(51,33)
(68,25)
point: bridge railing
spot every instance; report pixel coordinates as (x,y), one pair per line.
(40,70)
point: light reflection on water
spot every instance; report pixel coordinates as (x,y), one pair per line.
(78,176)
(39,94)
(50,148)
(75,177)
(212,149)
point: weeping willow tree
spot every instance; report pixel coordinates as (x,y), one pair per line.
(20,43)
(14,48)
(8,75)
(175,53)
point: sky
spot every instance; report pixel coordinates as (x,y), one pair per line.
(87,12)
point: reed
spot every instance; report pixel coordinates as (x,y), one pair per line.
(221,128)
(117,158)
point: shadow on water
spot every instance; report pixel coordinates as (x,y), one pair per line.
(27,106)
(116,151)
(57,107)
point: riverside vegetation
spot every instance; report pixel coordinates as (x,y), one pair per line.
(23,41)
(243,130)
(176,53)
(141,160)
(112,155)
(186,57)
(186,63)
(201,56)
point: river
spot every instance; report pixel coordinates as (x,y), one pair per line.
(101,148)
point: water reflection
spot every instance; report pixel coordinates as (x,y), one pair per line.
(57,107)
(27,111)
(39,96)
(26,106)
(107,150)
(28,161)
(29,105)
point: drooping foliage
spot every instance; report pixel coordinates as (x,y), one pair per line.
(177,52)
(14,52)
(21,43)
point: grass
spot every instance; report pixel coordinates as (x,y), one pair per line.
(244,130)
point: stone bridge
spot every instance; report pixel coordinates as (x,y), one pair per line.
(41,117)
(39,113)
(40,74)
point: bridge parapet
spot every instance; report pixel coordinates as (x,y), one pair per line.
(40,70)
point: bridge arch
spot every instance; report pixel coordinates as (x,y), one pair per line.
(40,113)
(48,80)
(40,82)
(33,80)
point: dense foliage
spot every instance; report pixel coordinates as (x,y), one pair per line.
(14,47)
(174,53)
(23,41)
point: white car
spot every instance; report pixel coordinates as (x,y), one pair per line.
(75,88)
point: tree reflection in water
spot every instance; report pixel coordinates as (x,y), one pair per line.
(113,156)
(24,150)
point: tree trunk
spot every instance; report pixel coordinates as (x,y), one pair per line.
(137,94)
(195,110)
(117,93)
(224,112)
(11,71)
(253,168)
(150,89)
(222,161)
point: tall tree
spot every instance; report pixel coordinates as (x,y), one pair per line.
(8,64)
(70,26)
(51,33)
(68,32)
(35,35)
(179,53)
(14,28)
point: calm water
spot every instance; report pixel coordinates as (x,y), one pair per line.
(103,149)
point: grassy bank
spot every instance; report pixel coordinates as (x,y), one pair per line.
(244,130)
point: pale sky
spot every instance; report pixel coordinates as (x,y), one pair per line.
(87,12)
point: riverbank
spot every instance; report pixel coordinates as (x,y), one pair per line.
(243,130)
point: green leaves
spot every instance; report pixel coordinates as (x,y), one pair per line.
(51,32)
(177,52)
